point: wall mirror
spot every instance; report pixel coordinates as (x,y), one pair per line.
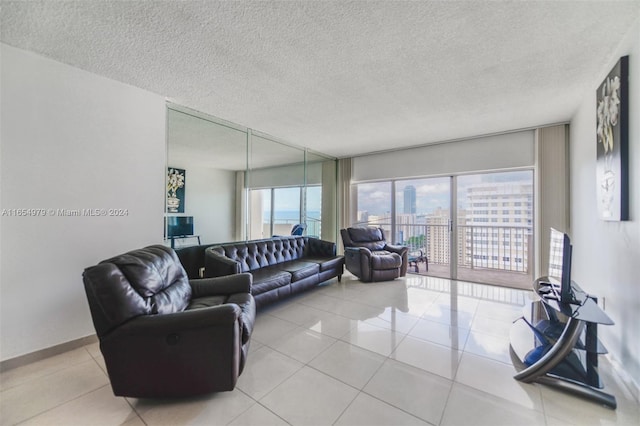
(233,183)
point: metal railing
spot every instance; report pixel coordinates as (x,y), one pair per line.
(498,248)
(283,226)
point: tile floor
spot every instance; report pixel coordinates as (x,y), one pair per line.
(418,350)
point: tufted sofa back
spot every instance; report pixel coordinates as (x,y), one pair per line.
(141,282)
(369,237)
(257,254)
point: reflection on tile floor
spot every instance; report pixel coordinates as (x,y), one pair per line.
(417,350)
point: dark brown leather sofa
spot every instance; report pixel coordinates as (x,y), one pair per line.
(281,266)
(163,335)
(370,258)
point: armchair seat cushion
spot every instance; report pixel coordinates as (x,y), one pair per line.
(386,261)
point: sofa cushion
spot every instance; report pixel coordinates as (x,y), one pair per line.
(266,279)
(300,269)
(327,264)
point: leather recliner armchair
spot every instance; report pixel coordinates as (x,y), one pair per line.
(368,256)
(163,335)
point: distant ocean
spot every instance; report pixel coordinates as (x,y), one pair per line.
(290,216)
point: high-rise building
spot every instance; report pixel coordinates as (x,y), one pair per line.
(409,199)
(499,225)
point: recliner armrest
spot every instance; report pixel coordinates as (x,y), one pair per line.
(228,284)
(360,250)
(154,325)
(396,249)
(218,265)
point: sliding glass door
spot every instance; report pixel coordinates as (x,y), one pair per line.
(471,227)
(422,222)
(495,228)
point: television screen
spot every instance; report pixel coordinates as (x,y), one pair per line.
(178,226)
(559,272)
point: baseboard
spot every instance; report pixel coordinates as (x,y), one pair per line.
(21,360)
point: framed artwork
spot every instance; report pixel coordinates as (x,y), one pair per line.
(175,190)
(612,158)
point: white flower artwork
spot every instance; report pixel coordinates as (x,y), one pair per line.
(175,190)
(612,134)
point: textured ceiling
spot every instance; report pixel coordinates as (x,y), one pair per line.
(342,78)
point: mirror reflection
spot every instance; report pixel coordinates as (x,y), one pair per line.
(229,183)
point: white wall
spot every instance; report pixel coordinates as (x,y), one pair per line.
(606,255)
(70,140)
(210,197)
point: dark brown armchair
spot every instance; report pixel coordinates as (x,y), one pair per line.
(163,335)
(368,256)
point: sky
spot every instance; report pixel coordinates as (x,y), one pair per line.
(431,193)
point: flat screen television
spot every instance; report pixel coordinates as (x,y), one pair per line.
(559,272)
(179,226)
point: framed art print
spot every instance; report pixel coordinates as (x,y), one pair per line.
(175,190)
(612,158)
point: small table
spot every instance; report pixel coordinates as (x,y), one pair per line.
(178,237)
(557,344)
(415,258)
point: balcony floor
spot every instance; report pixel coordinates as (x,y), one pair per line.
(519,280)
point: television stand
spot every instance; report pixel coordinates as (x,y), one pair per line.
(179,237)
(557,344)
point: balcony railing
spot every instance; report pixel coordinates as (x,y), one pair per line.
(497,248)
(284,226)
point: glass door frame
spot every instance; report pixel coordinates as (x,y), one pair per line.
(453,225)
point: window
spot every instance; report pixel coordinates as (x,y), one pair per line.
(276,210)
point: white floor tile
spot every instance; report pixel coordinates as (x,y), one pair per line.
(368,411)
(213,409)
(442,334)
(333,325)
(266,369)
(35,370)
(496,378)
(302,344)
(428,356)
(376,339)
(310,397)
(410,389)
(297,313)
(268,328)
(447,316)
(488,346)
(580,411)
(500,311)
(468,406)
(348,363)
(258,415)
(491,326)
(394,319)
(457,303)
(44,393)
(96,408)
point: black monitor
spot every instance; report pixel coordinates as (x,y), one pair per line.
(179,226)
(559,273)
